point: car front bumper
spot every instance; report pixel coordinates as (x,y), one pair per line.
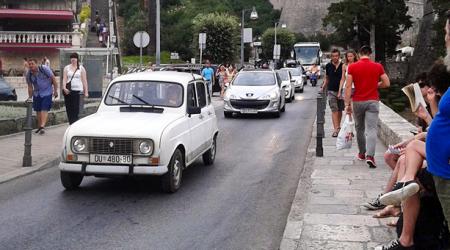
(92,169)
(271,107)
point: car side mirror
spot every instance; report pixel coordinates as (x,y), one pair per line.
(194,110)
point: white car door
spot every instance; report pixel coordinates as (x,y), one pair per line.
(210,117)
(195,124)
(203,103)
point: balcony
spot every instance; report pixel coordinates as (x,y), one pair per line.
(25,39)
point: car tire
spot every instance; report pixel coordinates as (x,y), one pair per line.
(283,108)
(171,181)
(210,155)
(301,90)
(228,114)
(70,181)
(277,114)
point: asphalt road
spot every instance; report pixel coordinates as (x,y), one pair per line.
(240,202)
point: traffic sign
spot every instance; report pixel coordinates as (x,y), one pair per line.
(141,39)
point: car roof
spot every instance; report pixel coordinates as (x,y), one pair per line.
(257,70)
(169,76)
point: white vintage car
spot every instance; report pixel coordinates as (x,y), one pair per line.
(151,123)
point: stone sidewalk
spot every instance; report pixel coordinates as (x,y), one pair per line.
(326,212)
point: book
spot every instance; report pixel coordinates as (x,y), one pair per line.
(412,91)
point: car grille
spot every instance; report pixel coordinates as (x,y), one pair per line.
(250,104)
(111,146)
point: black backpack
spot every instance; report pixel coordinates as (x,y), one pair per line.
(431,231)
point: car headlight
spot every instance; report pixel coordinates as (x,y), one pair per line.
(146,147)
(79,145)
(271,96)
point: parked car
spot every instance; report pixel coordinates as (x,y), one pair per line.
(149,123)
(299,76)
(288,83)
(255,91)
(6,92)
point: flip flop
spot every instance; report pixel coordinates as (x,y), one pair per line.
(335,134)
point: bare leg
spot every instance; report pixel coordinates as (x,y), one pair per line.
(411,208)
(38,118)
(339,117)
(415,154)
(44,116)
(394,176)
(391,160)
(336,120)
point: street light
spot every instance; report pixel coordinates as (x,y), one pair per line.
(253,16)
(276,49)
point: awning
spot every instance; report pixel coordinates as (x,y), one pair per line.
(36,14)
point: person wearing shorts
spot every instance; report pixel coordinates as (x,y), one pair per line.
(331,84)
(41,85)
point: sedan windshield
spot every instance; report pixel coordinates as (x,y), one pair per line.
(283,75)
(295,71)
(145,93)
(254,79)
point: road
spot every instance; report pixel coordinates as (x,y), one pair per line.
(240,202)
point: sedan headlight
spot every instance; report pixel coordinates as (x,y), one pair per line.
(146,147)
(80,145)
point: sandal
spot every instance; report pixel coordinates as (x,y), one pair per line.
(336,132)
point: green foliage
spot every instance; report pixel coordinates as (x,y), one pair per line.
(135,23)
(389,17)
(285,38)
(134,60)
(222,36)
(440,7)
(85,13)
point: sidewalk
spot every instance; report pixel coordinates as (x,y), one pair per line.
(326,212)
(45,151)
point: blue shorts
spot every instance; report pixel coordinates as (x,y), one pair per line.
(42,103)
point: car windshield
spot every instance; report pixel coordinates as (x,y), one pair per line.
(255,79)
(145,93)
(295,71)
(283,75)
(307,55)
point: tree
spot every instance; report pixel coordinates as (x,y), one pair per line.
(353,19)
(285,38)
(440,7)
(136,23)
(222,36)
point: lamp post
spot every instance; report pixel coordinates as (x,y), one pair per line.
(276,51)
(253,16)
(158,34)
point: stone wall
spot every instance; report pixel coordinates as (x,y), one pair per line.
(13,59)
(392,128)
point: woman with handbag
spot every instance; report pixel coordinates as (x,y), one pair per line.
(75,83)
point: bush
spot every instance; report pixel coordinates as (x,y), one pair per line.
(85,13)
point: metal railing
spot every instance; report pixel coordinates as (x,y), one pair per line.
(31,37)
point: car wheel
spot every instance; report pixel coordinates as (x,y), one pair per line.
(210,155)
(283,108)
(171,181)
(301,90)
(70,181)
(228,114)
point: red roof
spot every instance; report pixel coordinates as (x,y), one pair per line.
(37,14)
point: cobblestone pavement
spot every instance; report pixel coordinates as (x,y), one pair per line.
(326,212)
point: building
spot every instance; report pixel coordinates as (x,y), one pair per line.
(36,28)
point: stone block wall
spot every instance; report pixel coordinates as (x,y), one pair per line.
(392,128)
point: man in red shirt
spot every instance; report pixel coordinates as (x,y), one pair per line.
(367,77)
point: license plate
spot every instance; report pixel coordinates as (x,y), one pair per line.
(249,111)
(111,159)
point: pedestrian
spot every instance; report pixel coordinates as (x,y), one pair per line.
(46,62)
(74,77)
(221,76)
(40,80)
(208,74)
(25,68)
(366,76)
(331,84)
(350,57)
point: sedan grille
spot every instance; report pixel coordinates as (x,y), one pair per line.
(250,104)
(111,146)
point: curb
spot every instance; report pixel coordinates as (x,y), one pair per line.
(294,224)
(27,170)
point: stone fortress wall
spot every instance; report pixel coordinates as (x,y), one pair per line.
(305,16)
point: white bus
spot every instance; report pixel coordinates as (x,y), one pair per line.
(308,53)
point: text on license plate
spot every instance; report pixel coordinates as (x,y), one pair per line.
(114,159)
(249,111)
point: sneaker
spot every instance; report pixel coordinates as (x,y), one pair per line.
(371,161)
(375,204)
(400,192)
(394,245)
(42,131)
(361,157)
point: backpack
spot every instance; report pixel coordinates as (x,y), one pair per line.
(431,231)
